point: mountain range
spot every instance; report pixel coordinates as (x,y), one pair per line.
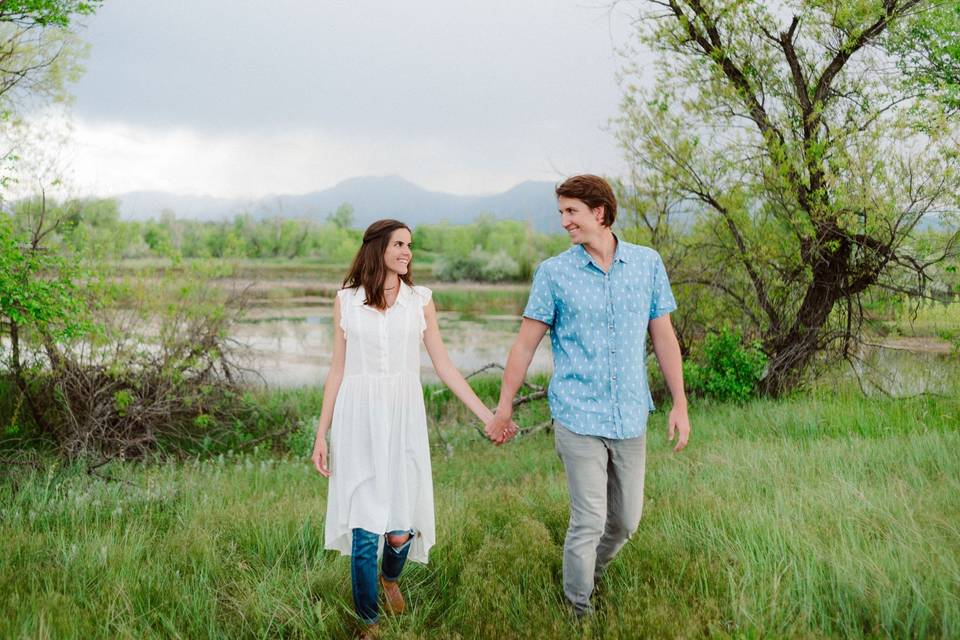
(372,198)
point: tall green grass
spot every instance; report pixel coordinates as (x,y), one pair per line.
(830,515)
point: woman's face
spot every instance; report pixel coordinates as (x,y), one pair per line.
(398,255)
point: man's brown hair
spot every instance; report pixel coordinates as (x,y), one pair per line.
(594,191)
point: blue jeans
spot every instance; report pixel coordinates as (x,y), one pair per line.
(363,569)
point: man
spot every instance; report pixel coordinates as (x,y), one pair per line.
(599,299)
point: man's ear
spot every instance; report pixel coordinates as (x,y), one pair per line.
(599,213)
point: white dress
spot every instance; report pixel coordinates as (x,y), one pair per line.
(380,453)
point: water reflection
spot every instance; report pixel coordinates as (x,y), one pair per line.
(907,369)
(292,347)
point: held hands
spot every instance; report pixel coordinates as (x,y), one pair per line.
(319,457)
(500,429)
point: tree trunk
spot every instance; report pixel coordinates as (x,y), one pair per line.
(21,382)
(791,353)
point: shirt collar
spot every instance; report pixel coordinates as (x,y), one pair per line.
(405,293)
(584,258)
(403,296)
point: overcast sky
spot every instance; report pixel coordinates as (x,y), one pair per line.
(245,98)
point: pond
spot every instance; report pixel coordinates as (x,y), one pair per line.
(902,367)
(291,346)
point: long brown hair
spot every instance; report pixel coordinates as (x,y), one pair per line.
(368,270)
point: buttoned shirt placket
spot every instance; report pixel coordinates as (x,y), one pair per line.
(612,342)
(611,351)
(382,320)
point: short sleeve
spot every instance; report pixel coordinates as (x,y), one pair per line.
(540,304)
(424,295)
(661,298)
(346,298)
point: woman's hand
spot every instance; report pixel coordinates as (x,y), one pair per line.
(501,428)
(319,457)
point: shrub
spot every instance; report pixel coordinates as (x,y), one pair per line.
(159,373)
(500,267)
(477,265)
(452,268)
(731,370)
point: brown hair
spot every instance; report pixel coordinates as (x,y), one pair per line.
(368,269)
(594,191)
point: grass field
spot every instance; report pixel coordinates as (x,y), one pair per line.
(826,515)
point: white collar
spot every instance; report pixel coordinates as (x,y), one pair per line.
(403,296)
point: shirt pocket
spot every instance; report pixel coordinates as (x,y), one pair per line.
(636,307)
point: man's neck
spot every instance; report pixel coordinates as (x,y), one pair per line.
(602,248)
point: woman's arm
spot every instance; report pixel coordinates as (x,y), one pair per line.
(330,389)
(445,368)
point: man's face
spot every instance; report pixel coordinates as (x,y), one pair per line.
(580,221)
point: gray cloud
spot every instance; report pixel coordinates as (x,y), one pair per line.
(344,65)
(533,78)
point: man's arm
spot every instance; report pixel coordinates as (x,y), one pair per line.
(521,354)
(667,349)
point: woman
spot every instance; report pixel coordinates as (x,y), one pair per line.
(380,482)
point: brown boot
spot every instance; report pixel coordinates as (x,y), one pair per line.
(370,632)
(392,598)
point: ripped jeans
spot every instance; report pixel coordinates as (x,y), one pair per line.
(363,569)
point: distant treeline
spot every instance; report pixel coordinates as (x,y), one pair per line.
(488,249)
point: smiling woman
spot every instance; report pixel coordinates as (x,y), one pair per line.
(381,489)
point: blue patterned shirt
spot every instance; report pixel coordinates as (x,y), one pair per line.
(598,331)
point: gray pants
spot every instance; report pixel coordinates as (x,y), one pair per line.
(605,481)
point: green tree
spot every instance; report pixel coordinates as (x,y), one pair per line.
(343,216)
(39,56)
(928,52)
(45,13)
(39,298)
(795,143)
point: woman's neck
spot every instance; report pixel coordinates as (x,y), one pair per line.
(391,282)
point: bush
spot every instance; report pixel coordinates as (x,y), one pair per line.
(452,268)
(478,265)
(128,368)
(487,250)
(500,267)
(730,371)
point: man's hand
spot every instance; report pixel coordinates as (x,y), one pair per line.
(678,422)
(500,429)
